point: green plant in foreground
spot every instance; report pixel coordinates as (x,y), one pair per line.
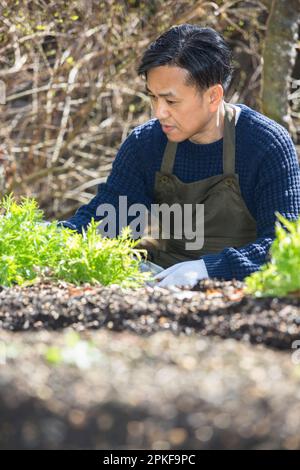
(281,276)
(31,251)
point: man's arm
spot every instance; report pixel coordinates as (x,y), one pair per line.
(126,178)
(277,189)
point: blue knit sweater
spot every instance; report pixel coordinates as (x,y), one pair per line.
(269,176)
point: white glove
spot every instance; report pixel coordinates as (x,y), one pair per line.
(44,222)
(187,273)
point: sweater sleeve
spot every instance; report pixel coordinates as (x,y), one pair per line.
(277,189)
(127,178)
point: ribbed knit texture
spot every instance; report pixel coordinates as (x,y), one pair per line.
(269,177)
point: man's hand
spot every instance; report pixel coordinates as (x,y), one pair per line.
(187,273)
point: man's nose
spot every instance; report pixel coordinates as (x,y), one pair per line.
(161,110)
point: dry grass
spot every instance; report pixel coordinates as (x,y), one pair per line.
(73,95)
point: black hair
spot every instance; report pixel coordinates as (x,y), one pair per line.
(203,52)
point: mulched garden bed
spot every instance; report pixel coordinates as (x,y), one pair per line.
(213,308)
(154,368)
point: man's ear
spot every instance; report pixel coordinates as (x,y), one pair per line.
(216,94)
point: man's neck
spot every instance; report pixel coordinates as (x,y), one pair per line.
(214,130)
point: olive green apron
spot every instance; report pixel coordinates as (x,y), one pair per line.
(227,220)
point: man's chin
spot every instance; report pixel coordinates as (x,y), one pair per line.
(174,138)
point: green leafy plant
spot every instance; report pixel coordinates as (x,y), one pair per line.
(31,250)
(280,276)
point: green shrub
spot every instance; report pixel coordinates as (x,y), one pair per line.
(280,276)
(31,251)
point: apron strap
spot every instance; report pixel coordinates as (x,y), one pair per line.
(229,140)
(168,158)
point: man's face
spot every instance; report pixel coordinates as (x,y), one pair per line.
(187,111)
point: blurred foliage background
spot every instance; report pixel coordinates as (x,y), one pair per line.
(73,95)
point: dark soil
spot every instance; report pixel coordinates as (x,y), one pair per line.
(153,368)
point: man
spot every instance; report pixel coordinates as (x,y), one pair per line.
(239,164)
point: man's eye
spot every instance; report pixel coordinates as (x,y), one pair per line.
(152,97)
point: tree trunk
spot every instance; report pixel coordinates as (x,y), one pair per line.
(279,55)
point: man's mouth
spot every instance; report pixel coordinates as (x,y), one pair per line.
(166,128)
